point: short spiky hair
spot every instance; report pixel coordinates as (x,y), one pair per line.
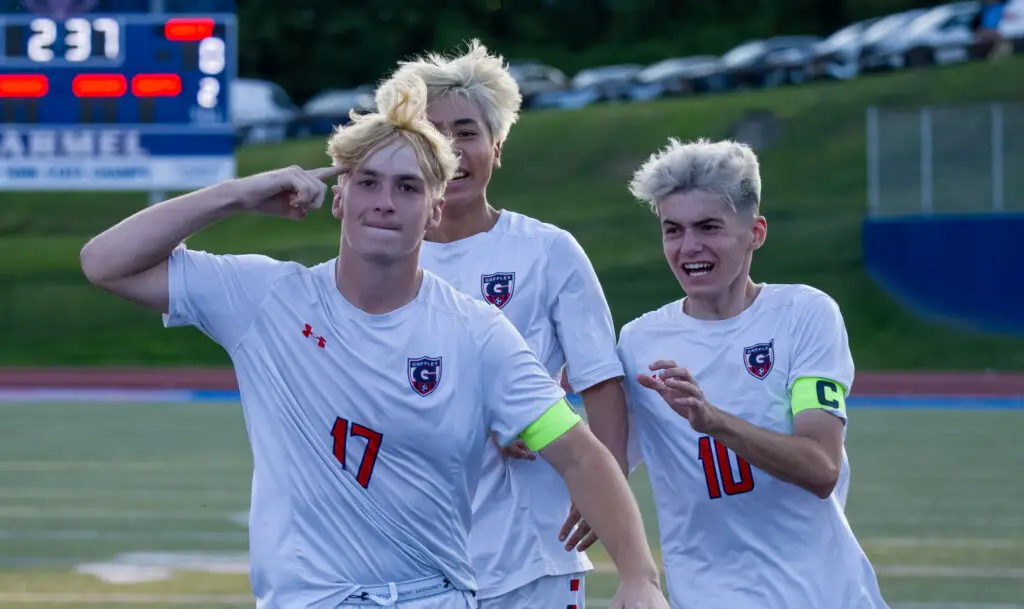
(478,75)
(727,169)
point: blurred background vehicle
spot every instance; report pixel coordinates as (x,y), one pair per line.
(262,111)
(332,107)
(764,64)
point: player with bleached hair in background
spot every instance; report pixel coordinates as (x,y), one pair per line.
(541,279)
(737,393)
(369,386)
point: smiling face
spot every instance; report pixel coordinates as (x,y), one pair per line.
(707,244)
(386,204)
(458,117)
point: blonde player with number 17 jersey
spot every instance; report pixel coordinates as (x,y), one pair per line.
(369,385)
(540,278)
(737,397)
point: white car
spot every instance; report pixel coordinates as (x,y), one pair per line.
(943,35)
(261,111)
(872,42)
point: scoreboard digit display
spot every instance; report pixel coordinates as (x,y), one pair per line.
(116,102)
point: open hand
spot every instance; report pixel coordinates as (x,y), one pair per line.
(677,387)
(582,538)
(289,193)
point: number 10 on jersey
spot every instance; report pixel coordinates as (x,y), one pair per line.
(717,464)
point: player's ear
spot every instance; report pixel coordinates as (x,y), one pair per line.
(497,154)
(336,202)
(760,230)
(436,212)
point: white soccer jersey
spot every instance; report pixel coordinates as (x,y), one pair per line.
(367,431)
(540,278)
(732,536)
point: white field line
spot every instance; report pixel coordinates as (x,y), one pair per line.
(248,600)
(82,598)
(951,543)
(605,603)
(911,571)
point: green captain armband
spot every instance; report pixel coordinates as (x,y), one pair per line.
(823,394)
(555,421)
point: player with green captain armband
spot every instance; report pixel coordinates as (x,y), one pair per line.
(737,404)
(557,420)
(818,393)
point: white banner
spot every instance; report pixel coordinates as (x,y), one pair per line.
(118,173)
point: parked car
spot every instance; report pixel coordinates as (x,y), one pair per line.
(261,111)
(534,77)
(837,57)
(684,75)
(570,99)
(609,83)
(872,43)
(769,63)
(331,107)
(940,36)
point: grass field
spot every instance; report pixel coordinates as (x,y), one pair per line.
(570,168)
(935,499)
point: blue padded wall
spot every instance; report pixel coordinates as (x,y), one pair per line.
(966,268)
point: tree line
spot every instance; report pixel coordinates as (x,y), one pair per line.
(315,44)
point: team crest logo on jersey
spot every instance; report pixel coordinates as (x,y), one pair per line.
(497,288)
(424,374)
(760,358)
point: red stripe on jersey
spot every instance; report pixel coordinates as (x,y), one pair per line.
(574,585)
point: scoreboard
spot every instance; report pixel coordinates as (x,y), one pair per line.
(116,101)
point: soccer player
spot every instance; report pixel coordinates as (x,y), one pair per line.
(737,392)
(369,386)
(541,279)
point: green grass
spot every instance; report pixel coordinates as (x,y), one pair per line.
(932,500)
(569,168)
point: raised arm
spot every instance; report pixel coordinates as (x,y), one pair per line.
(130,258)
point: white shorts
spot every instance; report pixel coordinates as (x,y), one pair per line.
(551,592)
(449,600)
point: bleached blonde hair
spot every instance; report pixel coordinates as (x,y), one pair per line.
(401,115)
(726,169)
(477,75)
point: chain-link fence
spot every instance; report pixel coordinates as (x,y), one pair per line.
(943,160)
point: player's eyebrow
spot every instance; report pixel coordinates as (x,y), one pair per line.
(460,122)
(402,177)
(700,222)
(704,221)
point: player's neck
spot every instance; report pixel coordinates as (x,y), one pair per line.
(377,288)
(735,300)
(462,221)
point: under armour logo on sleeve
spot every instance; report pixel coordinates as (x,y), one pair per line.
(320,340)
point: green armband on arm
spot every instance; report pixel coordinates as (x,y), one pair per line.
(822,394)
(555,421)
